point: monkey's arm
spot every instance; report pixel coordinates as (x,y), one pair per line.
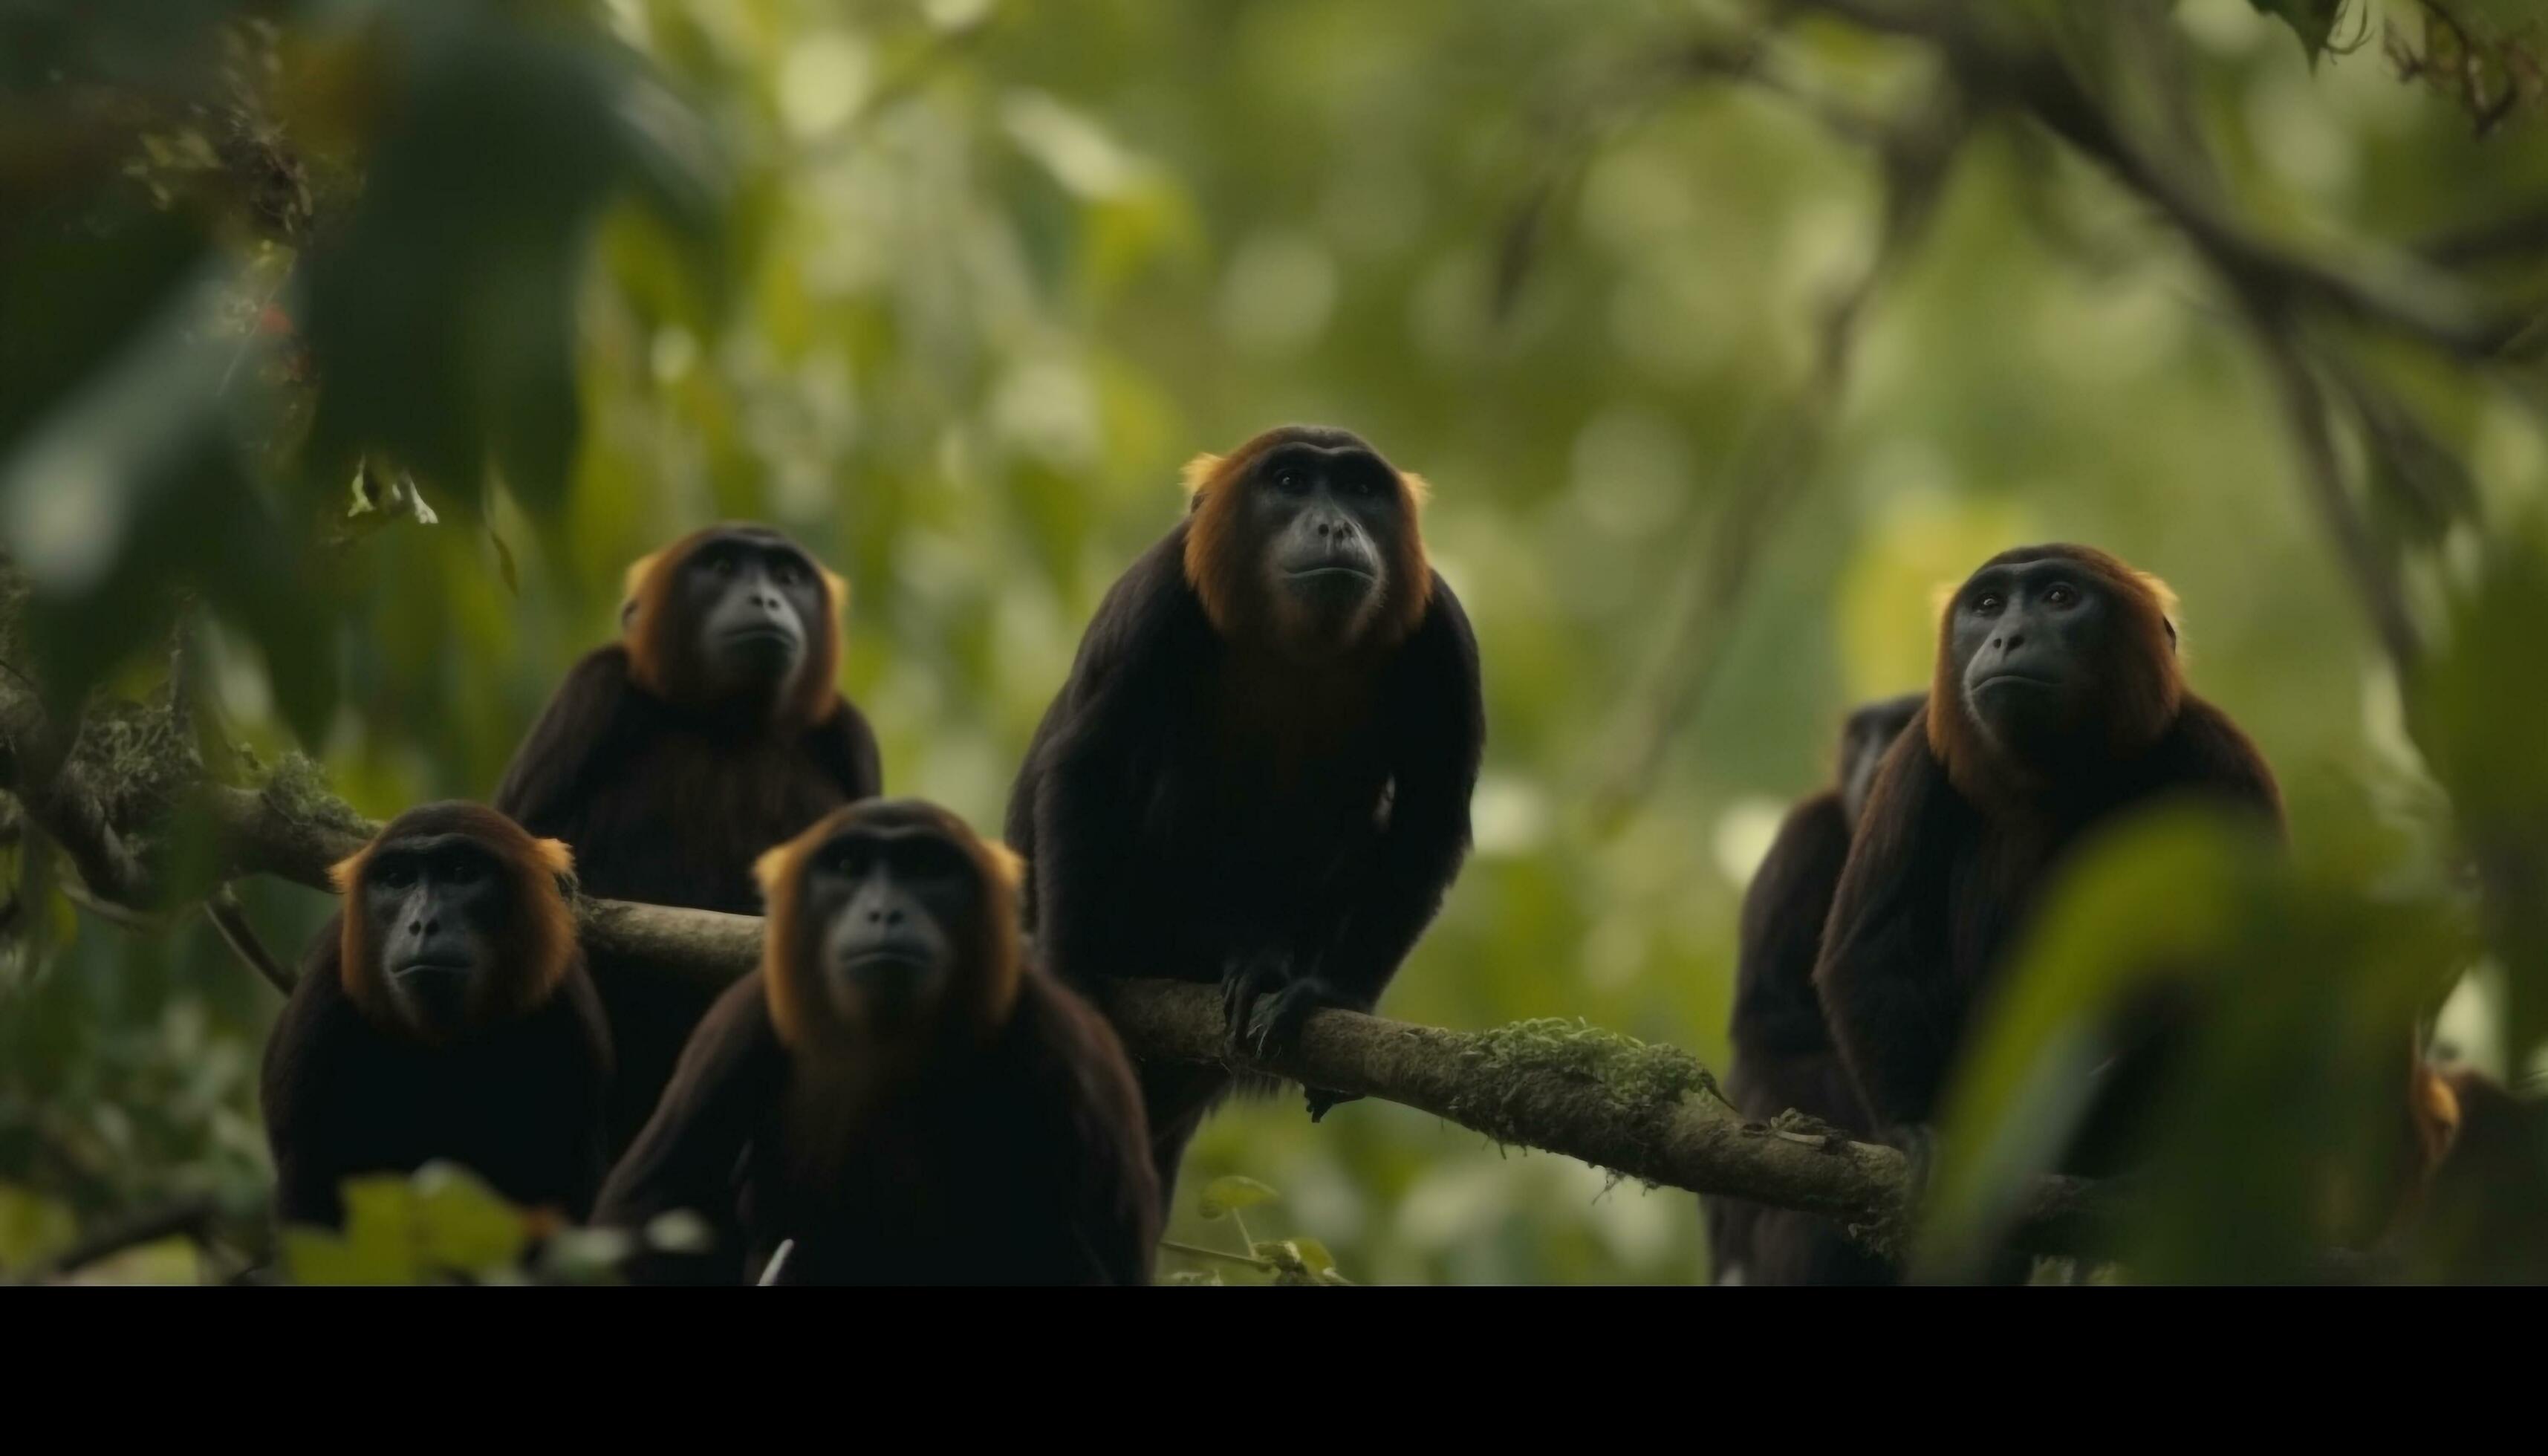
(1439,734)
(2213,754)
(307,1119)
(1883,976)
(729,1076)
(571,738)
(1094,1103)
(1085,786)
(845,743)
(591,1062)
(1776,1012)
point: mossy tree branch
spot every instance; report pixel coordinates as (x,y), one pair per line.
(1646,1112)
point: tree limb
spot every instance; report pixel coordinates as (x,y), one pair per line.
(1646,1112)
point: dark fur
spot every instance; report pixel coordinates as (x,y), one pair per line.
(1946,869)
(1186,801)
(667,804)
(1782,1052)
(2479,1221)
(520,1103)
(1018,1156)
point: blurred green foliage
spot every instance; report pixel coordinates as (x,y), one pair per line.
(949,288)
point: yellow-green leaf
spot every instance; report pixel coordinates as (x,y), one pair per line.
(1224,1193)
(465,1224)
(32,1226)
(2313,21)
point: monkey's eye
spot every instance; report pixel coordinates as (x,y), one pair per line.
(931,859)
(1987,602)
(1291,479)
(787,573)
(723,566)
(462,869)
(853,862)
(397,876)
(1359,486)
(2060,594)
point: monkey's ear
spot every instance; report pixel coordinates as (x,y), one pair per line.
(1005,863)
(837,587)
(771,868)
(1419,488)
(345,872)
(553,855)
(2170,624)
(632,586)
(1940,596)
(1199,473)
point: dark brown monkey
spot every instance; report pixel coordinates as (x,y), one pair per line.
(1258,772)
(443,1013)
(896,1091)
(712,730)
(1784,1057)
(2059,705)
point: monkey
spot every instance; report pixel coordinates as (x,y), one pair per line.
(1783,1057)
(2478,1219)
(669,759)
(2058,704)
(442,1013)
(898,1090)
(1257,773)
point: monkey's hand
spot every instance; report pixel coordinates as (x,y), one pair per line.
(1918,1143)
(1278,1030)
(1265,1005)
(1322,1099)
(1246,981)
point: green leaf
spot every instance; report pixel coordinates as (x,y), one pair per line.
(2313,21)
(1224,1193)
(1313,1256)
(504,564)
(465,1224)
(32,1226)
(586,1255)
(679,1231)
(2157,893)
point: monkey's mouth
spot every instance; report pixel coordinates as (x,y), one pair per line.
(428,970)
(2014,679)
(1332,571)
(891,965)
(772,636)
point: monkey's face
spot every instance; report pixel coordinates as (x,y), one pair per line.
(437,907)
(888,905)
(757,600)
(2031,642)
(1325,517)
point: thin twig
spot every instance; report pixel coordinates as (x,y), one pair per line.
(1201,1252)
(191,1216)
(1918,156)
(223,908)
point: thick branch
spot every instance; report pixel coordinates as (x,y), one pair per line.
(1646,1112)
(1650,1113)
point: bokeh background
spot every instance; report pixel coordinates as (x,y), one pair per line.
(951,289)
